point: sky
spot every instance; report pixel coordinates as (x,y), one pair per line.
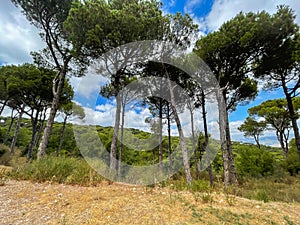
(18,38)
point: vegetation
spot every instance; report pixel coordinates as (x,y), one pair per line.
(241,53)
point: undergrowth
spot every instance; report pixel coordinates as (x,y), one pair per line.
(58,169)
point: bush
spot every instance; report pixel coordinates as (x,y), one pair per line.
(292,163)
(4,155)
(58,169)
(254,162)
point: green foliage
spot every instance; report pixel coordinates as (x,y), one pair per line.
(261,195)
(274,111)
(27,84)
(279,35)
(100,25)
(253,128)
(58,169)
(277,115)
(254,162)
(4,155)
(227,52)
(271,189)
(69,147)
(292,164)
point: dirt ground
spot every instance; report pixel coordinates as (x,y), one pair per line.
(24,202)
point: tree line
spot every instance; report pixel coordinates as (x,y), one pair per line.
(249,49)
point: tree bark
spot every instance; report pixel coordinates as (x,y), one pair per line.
(286,141)
(57,90)
(186,164)
(194,141)
(209,168)
(160,135)
(169,134)
(113,148)
(14,140)
(256,138)
(293,117)
(34,123)
(232,171)
(279,135)
(62,135)
(121,139)
(222,127)
(12,119)
(40,128)
(3,106)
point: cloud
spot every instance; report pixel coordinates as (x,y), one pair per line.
(268,137)
(89,85)
(191,5)
(224,10)
(190,8)
(18,36)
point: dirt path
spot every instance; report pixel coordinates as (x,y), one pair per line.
(23,202)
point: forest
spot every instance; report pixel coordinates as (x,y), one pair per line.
(254,51)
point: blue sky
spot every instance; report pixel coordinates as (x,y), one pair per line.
(199,8)
(19,38)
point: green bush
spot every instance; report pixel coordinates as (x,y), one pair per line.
(254,162)
(292,163)
(58,169)
(4,155)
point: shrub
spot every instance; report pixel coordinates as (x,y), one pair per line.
(292,163)
(4,155)
(58,169)
(254,162)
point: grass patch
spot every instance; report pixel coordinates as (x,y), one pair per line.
(269,189)
(266,189)
(58,170)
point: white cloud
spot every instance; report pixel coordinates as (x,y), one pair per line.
(18,36)
(268,137)
(224,10)
(191,5)
(88,85)
(191,8)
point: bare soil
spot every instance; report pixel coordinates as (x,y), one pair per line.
(24,202)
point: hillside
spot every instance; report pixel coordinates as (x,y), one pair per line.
(23,202)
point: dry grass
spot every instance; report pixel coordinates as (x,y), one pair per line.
(23,202)
(4,170)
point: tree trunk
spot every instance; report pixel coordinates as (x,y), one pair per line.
(14,140)
(3,106)
(256,138)
(57,90)
(209,168)
(12,119)
(293,117)
(113,148)
(40,128)
(160,135)
(194,141)
(62,135)
(169,134)
(232,171)
(222,127)
(180,131)
(34,123)
(279,135)
(286,141)
(121,139)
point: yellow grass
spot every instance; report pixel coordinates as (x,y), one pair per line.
(35,203)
